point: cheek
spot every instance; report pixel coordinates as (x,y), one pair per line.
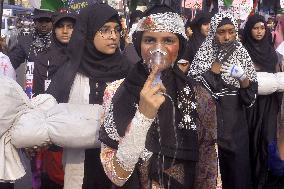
(218,39)
(98,43)
(144,50)
(173,52)
(233,36)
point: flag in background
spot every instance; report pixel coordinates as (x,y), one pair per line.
(51,5)
(228,3)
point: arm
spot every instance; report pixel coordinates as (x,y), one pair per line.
(212,80)
(281,144)
(17,55)
(119,164)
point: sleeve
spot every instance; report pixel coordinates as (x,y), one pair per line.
(248,95)
(38,81)
(275,163)
(8,69)
(17,55)
(128,149)
(107,157)
(212,82)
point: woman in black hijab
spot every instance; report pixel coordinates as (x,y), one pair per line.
(46,65)
(94,61)
(146,144)
(50,61)
(262,116)
(200,27)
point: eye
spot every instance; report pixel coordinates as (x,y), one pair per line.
(104,30)
(149,40)
(169,40)
(220,32)
(70,26)
(117,29)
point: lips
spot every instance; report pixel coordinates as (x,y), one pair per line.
(112,45)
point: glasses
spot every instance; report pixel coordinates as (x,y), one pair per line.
(108,33)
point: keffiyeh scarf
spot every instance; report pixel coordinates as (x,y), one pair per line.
(207,54)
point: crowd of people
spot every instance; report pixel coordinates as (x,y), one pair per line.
(170,104)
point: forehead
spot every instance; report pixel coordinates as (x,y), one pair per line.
(65,21)
(159,34)
(226,27)
(111,24)
(258,24)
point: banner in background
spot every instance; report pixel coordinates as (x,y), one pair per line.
(192,4)
(51,5)
(77,5)
(239,8)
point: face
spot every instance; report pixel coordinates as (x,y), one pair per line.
(63,31)
(43,25)
(189,32)
(225,34)
(106,40)
(205,29)
(258,31)
(167,42)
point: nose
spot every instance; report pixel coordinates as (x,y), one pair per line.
(227,36)
(65,29)
(113,35)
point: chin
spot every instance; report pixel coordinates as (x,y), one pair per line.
(110,51)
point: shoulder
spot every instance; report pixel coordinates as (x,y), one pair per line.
(111,89)
(25,38)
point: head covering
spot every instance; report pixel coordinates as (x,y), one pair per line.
(38,13)
(197,37)
(207,54)
(160,18)
(85,58)
(261,52)
(177,134)
(133,17)
(58,16)
(225,21)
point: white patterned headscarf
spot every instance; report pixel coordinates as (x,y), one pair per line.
(207,54)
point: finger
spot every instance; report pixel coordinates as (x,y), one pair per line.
(159,99)
(227,74)
(224,70)
(226,65)
(156,89)
(151,78)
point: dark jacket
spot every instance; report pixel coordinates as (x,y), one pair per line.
(22,51)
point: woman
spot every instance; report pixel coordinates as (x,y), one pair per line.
(94,61)
(46,65)
(200,27)
(149,139)
(262,116)
(225,69)
(51,60)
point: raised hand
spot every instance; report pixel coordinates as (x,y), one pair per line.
(150,96)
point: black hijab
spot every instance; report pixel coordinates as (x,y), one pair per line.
(184,144)
(48,62)
(261,52)
(197,37)
(86,59)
